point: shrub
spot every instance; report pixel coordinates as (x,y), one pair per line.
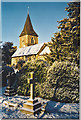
(19,65)
(62,83)
(59,82)
(39,67)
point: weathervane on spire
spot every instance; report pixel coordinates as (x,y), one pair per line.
(28,9)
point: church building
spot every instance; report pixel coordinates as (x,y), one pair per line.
(29,48)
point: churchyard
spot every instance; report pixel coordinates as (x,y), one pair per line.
(42,80)
(16,106)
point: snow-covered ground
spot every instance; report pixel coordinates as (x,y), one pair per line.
(53,109)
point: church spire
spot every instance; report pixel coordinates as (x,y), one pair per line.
(28,28)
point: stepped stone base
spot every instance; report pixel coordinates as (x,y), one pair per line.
(10,104)
(9,91)
(31,107)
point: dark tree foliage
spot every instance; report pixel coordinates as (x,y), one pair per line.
(7,51)
(5,72)
(65,45)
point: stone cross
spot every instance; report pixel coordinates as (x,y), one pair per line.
(31,82)
(9,90)
(32,106)
(9,79)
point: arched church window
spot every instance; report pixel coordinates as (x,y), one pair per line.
(32,40)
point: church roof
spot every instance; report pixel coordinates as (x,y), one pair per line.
(30,50)
(28,28)
(45,50)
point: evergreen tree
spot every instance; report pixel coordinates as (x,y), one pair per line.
(7,52)
(65,45)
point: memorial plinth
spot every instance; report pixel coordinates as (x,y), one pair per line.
(9,90)
(32,106)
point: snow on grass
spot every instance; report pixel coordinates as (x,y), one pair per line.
(53,109)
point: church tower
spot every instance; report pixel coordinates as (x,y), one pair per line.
(28,36)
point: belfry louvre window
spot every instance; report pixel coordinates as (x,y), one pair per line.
(32,40)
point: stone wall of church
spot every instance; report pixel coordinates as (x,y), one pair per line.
(25,40)
(15,60)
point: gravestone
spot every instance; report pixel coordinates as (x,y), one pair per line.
(32,106)
(9,90)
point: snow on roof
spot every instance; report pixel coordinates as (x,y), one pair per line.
(30,50)
(45,50)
